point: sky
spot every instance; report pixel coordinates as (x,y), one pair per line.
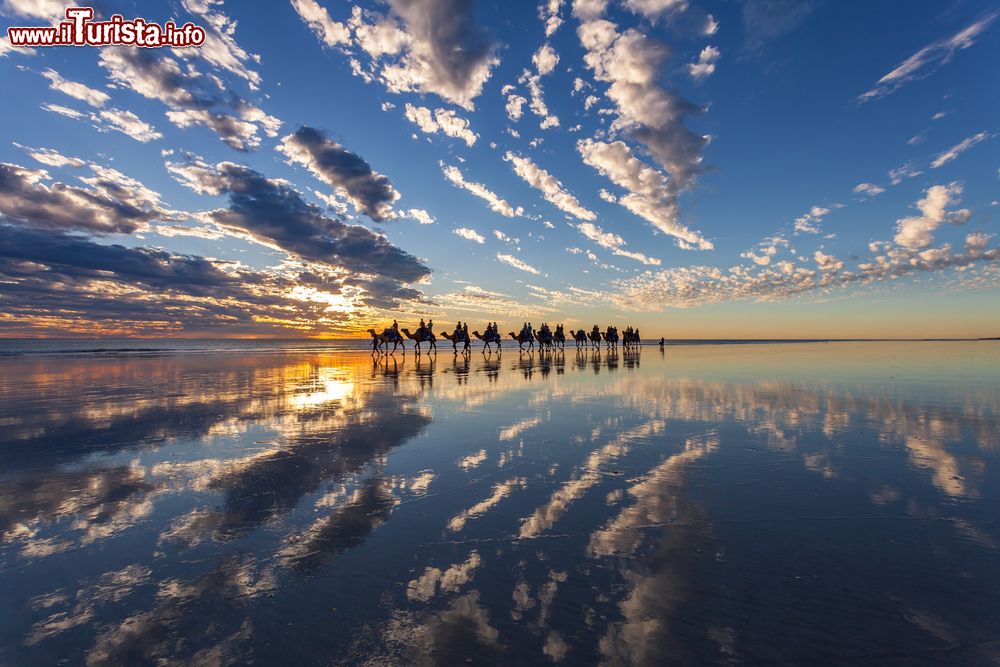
(696,168)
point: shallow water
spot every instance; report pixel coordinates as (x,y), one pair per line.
(710,504)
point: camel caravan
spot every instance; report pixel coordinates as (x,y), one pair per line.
(526,338)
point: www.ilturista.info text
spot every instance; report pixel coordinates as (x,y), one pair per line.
(79,29)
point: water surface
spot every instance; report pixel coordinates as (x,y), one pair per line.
(707,504)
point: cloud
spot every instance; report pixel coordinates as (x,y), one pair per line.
(907,170)
(437,48)
(809,222)
(630,62)
(64,111)
(112,204)
(868,189)
(51,157)
(59,284)
(613,242)
(953,152)
(916,232)
(548,11)
(47,10)
(369,191)
(93,97)
(441,120)
(766,250)
(193,99)
(127,123)
(517,264)
(650,195)
(549,186)
(469,234)
(827,262)
(515,107)
(927,60)
(497,203)
(655,9)
(274,214)
(219,48)
(769,280)
(330,32)
(705,65)
(545,59)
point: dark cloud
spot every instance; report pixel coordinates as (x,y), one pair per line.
(190,95)
(273,212)
(450,54)
(112,204)
(369,191)
(53,283)
(77,257)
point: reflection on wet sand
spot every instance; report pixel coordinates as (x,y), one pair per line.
(529,508)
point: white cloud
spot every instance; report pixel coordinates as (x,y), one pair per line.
(928,59)
(630,62)
(517,264)
(654,9)
(868,189)
(827,262)
(93,97)
(613,242)
(545,59)
(441,120)
(330,32)
(63,111)
(548,11)
(236,133)
(705,64)
(650,196)
(916,232)
(897,175)
(549,186)
(470,234)
(127,123)
(515,107)
(219,48)
(809,223)
(953,152)
(497,204)
(51,157)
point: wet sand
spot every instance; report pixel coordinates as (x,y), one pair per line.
(794,504)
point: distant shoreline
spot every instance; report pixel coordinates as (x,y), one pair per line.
(19,347)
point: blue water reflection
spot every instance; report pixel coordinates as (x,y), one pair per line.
(779,503)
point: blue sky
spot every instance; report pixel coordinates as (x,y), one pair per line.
(702,169)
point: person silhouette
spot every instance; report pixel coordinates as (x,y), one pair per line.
(662,341)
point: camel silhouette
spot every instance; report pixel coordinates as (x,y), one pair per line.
(419,338)
(522,339)
(491,338)
(380,340)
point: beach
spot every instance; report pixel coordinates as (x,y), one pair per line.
(314,504)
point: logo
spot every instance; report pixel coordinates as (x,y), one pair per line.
(79,29)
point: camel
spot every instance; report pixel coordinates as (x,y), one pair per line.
(595,339)
(421,338)
(544,340)
(559,338)
(610,337)
(455,340)
(580,338)
(631,339)
(383,339)
(491,338)
(522,339)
